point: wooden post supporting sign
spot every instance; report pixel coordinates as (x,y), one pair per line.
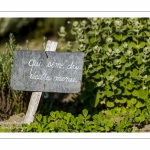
(36,96)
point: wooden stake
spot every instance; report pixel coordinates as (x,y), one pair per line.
(36,96)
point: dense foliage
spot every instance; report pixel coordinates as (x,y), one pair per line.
(117,56)
(59,121)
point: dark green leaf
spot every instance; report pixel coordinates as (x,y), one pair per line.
(84,95)
(90,86)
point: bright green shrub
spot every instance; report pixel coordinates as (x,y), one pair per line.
(116,67)
(114,120)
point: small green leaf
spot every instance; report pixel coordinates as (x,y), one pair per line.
(44,119)
(109,93)
(143,94)
(99,67)
(100,84)
(128,64)
(123,70)
(117,100)
(135,75)
(118,37)
(97,99)
(142,44)
(80,117)
(129,86)
(39,118)
(139,105)
(94,56)
(110,123)
(122,101)
(52,113)
(134,72)
(142,118)
(110,104)
(123,59)
(126,92)
(135,93)
(101,128)
(133,45)
(113,87)
(124,37)
(147,33)
(93,40)
(97,76)
(138,58)
(137,119)
(106,73)
(133,100)
(134,39)
(69,115)
(119,91)
(148,78)
(93,70)
(85,112)
(114,72)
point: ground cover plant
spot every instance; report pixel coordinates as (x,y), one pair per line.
(116,78)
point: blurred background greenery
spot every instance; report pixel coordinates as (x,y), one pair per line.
(33,29)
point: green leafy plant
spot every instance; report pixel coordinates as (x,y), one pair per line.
(116,66)
(123,120)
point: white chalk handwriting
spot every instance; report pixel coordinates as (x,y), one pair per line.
(43,75)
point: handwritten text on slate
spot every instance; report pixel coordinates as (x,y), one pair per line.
(52,64)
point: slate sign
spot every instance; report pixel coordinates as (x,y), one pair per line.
(47,71)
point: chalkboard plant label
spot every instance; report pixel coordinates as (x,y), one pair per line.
(47,71)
